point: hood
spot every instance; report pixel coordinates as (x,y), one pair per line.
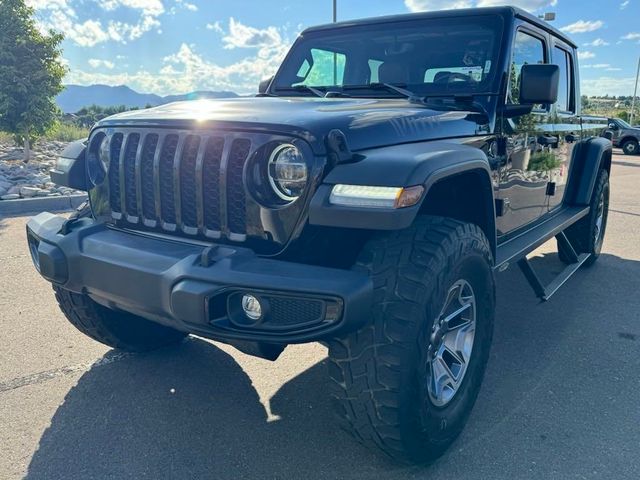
(367,123)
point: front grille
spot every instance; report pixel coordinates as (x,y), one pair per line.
(179,181)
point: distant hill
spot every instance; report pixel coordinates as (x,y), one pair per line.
(74,97)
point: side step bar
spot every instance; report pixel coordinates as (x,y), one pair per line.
(545,293)
(517,249)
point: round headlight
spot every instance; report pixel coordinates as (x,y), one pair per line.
(98,160)
(103,153)
(287,172)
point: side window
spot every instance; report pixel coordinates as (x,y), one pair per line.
(562,58)
(325,69)
(527,50)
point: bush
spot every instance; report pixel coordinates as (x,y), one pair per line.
(65,132)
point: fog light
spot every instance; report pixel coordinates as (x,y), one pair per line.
(251,307)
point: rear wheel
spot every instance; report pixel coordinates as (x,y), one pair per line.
(631,147)
(406,382)
(116,329)
(587,235)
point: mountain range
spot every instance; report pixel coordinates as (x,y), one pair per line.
(74,97)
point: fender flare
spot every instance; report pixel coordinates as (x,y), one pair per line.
(589,156)
(399,166)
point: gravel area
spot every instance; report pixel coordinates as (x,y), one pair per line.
(28,180)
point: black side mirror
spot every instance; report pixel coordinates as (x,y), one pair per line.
(539,84)
(264,85)
(613,126)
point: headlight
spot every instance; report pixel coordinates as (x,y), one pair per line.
(287,172)
(103,153)
(375,196)
(98,160)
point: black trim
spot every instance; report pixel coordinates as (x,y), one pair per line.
(75,175)
(167,282)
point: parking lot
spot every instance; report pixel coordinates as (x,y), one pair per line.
(561,398)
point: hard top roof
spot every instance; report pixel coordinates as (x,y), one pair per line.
(512,12)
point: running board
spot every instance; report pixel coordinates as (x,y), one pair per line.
(519,247)
(544,293)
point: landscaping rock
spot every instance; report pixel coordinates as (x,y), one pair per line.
(27,180)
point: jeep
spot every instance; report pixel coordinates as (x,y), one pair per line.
(366,198)
(623,136)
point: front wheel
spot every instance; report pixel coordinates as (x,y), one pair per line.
(631,147)
(117,329)
(406,382)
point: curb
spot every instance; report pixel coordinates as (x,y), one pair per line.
(32,205)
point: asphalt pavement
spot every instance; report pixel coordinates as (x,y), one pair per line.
(561,398)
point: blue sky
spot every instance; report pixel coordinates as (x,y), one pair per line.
(178,46)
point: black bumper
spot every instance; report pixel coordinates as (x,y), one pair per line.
(198,289)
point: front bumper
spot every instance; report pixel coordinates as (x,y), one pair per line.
(195,288)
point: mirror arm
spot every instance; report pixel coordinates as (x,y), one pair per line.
(512,110)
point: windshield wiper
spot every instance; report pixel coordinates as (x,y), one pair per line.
(301,88)
(412,97)
(459,102)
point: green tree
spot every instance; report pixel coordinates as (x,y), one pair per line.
(31,74)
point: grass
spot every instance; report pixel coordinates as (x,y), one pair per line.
(64,132)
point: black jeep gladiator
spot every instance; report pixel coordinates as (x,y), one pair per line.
(365,198)
(623,136)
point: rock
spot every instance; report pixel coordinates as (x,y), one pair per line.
(15,190)
(11,196)
(27,192)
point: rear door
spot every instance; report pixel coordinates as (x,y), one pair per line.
(566,123)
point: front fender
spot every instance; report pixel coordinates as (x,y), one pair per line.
(397,166)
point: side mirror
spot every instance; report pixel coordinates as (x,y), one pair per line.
(539,84)
(613,126)
(264,85)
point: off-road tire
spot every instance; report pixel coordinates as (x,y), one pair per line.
(581,234)
(116,329)
(378,374)
(630,147)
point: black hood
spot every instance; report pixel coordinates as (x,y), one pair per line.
(367,123)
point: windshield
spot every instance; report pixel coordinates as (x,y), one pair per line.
(428,56)
(622,123)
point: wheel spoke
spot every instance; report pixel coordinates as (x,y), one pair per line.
(450,327)
(451,343)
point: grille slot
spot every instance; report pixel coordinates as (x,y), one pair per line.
(179,181)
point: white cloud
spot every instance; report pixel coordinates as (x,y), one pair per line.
(427,5)
(216,27)
(147,7)
(97,63)
(585,54)
(582,26)
(598,42)
(188,70)
(608,85)
(87,34)
(243,36)
(624,4)
(597,65)
(189,6)
(60,16)
(632,36)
